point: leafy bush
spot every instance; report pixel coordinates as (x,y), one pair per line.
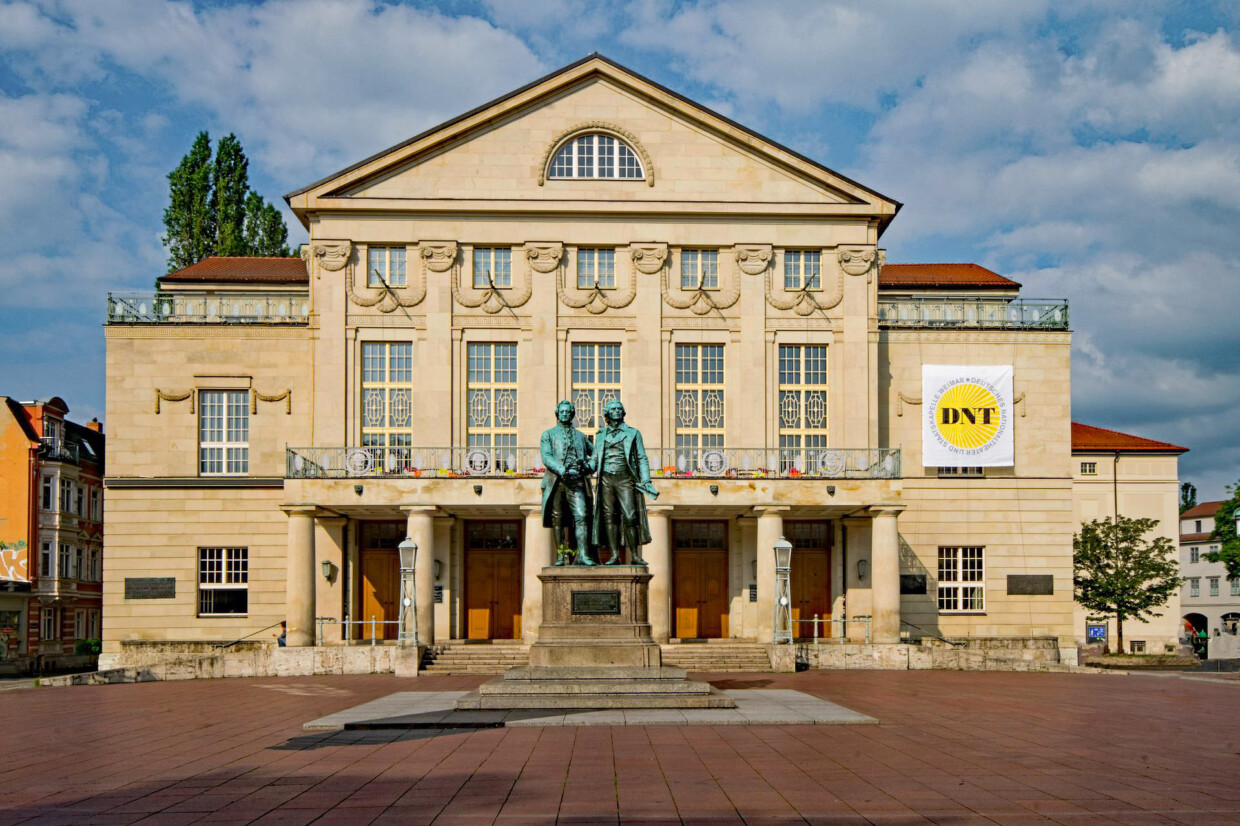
(92,646)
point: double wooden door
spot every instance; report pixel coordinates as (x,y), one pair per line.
(700,579)
(810,583)
(493,580)
(380,595)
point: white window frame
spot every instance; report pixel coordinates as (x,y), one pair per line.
(79,500)
(596,268)
(66,495)
(595,380)
(223,569)
(96,567)
(962,579)
(491,397)
(79,563)
(96,504)
(1194,586)
(387,399)
(802,392)
(492,268)
(699,407)
(49,624)
(1235,585)
(1213,586)
(1194,554)
(595,156)
(79,624)
(64,561)
(47,560)
(96,629)
(699,269)
(1089,468)
(802,270)
(391,264)
(48,495)
(229,453)
(956,472)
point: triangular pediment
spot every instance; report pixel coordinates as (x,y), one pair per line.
(500,151)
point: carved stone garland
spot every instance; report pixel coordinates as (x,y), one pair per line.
(596,126)
(852,260)
(329,255)
(700,301)
(162,395)
(491,299)
(388,301)
(286,397)
(596,300)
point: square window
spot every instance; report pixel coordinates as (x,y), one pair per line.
(699,269)
(223,581)
(802,270)
(492,268)
(596,268)
(385,265)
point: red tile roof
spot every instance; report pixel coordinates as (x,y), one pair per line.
(1195,537)
(1202,509)
(242,269)
(1087,439)
(942,276)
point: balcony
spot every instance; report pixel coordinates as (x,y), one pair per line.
(525,462)
(236,308)
(57,450)
(974,313)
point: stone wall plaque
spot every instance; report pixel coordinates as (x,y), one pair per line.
(596,602)
(1031,585)
(912,583)
(157,587)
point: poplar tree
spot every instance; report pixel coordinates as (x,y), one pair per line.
(1116,572)
(230,184)
(1188,496)
(189,220)
(1225,532)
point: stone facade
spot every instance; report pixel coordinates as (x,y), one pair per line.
(488,255)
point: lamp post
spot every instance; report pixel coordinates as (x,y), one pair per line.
(408,550)
(783,591)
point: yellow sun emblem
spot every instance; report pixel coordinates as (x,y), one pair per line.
(967,416)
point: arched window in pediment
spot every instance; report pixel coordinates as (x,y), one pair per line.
(596,155)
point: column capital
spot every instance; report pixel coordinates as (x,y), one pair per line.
(887,510)
(299,510)
(771,510)
(530,510)
(331,521)
(661,510)
(411,510)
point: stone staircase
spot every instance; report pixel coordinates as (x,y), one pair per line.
(717,656)
(461,657)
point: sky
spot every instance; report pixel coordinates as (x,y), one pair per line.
(1089,150)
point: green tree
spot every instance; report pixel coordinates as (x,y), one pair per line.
(1225,532)
(265,232)
(230,187)
(1116,572)
(189,220)
(1188,496)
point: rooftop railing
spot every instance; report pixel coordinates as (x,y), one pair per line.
(526,462)
(235,308)
(977,313)
(57,450)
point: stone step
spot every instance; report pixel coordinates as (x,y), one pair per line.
(614,688)
(715,699)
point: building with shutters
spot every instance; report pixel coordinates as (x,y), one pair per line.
(278,426)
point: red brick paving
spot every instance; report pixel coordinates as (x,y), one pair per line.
(952,747)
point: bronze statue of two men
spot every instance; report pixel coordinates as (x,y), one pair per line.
(608,510)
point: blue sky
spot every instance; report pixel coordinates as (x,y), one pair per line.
(1089,150)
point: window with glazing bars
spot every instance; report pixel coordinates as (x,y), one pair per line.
(491,408)
(596,156)
(699,401)
(492,267)
(596,268)
(223,581)
(385,264)
(1194,586)
(223,432)
(595,380)
(802,270)
(387,400)
(961,580)
(699,269)
(802,405)
(1214,586)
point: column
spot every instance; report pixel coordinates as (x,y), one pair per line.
(299,576)
(885,563)
(329,591)
(658,556)
(420,528)
(537,555)
(770,529)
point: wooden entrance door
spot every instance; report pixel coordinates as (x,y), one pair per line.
(493,580)
(811,575)
(700,579)
(380,594)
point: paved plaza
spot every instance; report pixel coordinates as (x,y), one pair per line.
(949,747)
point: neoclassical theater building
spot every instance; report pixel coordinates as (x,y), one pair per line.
(278,426)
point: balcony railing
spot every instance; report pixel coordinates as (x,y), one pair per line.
(525,462)
(57,450)
(238,308)
(978,313)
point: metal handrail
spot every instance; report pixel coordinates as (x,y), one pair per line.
(275,307)
(345,624)
(980,313)
(830,621)
(247,636)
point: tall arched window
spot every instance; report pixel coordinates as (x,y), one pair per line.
(596,155)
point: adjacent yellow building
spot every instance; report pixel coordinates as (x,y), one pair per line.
(279,425)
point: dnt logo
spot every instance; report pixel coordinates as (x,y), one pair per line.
(967,416)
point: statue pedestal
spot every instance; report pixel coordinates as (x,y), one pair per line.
(595,651)
(595,617)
